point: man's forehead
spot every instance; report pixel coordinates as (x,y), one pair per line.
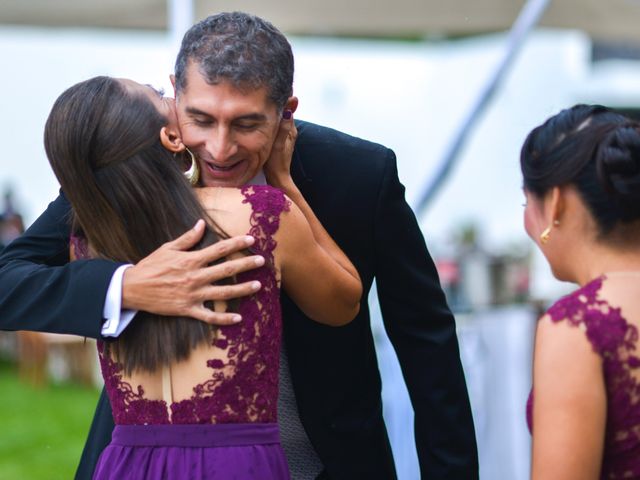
(196,78)
(224,99)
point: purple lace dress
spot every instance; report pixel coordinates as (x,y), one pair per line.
(615,340)
(227,429)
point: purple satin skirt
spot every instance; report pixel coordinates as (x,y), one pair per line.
(247,451)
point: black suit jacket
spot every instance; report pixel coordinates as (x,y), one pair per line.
(353,187)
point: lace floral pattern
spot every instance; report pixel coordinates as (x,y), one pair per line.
(243,386)
(615,340)
(80,247)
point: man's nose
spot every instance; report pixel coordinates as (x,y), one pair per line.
(222,145)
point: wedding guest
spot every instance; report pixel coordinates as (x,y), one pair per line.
(581,175)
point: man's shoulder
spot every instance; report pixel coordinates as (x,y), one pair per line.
(318,136)
(325,153)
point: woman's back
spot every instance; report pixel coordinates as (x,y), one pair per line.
(234,378)
(612,327)
(607,312)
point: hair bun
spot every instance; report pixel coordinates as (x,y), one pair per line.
(618,162)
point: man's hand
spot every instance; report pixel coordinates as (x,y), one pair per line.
(175,281)
(277,169)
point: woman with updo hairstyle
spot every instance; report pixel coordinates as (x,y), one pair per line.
(581,175)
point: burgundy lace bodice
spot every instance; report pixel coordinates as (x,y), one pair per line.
(615,340)
(243,382)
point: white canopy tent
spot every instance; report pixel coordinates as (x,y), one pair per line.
(609,20)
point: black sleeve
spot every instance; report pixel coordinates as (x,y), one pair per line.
(422,331)
(41,291)
(99,437)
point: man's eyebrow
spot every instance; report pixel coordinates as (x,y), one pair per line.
(196,111)
(256,117)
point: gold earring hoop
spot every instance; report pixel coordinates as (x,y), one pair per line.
(193,174)
(546,233)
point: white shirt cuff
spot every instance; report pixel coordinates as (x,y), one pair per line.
(116,319)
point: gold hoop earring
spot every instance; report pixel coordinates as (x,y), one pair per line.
(545,235)
(193,174)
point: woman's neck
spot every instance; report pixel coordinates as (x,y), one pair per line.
(596,259)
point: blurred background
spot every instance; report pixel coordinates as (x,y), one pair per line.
(453,87)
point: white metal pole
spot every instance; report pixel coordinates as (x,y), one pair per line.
(527,19)
(180,18)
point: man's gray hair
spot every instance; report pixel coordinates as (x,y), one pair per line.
(240,48)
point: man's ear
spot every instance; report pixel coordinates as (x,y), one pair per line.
(172,78)
(292,104)
(171,140)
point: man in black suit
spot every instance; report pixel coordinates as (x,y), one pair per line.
(231,75)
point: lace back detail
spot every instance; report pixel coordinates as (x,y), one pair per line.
(615,340)
(243,359)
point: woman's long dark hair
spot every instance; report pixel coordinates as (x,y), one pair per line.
(129,197)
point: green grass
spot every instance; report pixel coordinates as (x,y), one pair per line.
(42,430)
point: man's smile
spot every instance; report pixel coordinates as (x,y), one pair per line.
(223,171)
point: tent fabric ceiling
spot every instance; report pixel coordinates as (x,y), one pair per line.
(609,20)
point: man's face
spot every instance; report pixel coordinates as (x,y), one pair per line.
(230,131)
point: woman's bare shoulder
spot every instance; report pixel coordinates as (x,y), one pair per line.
(226,207)
(219,196)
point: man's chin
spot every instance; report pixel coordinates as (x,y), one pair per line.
(209,181)
(220,184)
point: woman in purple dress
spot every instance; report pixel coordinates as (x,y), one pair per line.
(581,172)
(189,400)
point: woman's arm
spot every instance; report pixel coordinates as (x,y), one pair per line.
(569,407)
(316,273)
